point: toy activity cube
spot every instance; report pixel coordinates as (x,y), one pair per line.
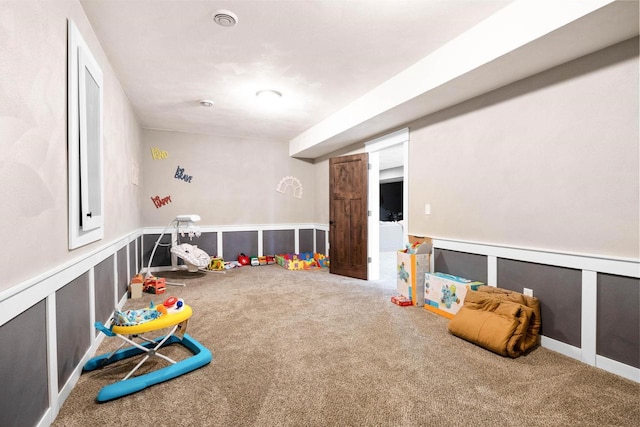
(444,293)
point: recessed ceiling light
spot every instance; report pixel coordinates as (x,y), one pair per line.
(268,94)
(206,103)
(224,18)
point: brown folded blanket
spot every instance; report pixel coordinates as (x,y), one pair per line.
(503,321)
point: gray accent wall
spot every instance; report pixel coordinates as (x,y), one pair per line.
(321,246)
(104,290)
(618,323)
(123,279)
(139,249)
(559,290)
(278,242)
(73,331)
(305,240)
(237,242)
(469,266)
(24,395)
(133,266)
(163,253)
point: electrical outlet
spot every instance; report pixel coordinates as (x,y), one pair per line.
(528,292)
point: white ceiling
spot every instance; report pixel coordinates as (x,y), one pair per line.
(348,69)
(321,55)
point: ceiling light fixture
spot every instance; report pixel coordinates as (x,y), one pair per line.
(268,94)
(224,18)
(206,103)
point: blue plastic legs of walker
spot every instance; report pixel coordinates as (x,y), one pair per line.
(201,356)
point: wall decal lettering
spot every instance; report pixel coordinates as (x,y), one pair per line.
(158,202)
(181,175)
(158,154)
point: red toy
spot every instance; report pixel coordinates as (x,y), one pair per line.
(155,285)
(243,259)
(401,301)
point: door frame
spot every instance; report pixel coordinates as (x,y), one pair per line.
(373,148)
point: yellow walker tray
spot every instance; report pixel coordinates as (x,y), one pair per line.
(177,322)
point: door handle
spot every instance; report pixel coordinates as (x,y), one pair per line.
(332,222)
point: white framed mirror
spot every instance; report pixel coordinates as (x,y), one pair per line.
(85,142)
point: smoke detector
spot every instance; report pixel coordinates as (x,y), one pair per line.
(224,18)
(206,103)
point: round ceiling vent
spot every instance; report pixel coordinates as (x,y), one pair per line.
(224,18)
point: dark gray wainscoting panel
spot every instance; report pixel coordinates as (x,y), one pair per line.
(162,257)
(559,290)
(237,242)
(618,324)
(321,246)
(139,244)
(462,264)
(278,242)
(133,267)
(123,279)
(73,326)
(24,395)
(305,240)
(104,290)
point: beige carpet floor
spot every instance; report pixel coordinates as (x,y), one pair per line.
(308,348)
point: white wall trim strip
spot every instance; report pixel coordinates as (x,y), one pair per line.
(612,265)
(589,316)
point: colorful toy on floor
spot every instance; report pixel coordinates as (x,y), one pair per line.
(243,259)
(401,301)
(155,285)
(135,286)
(302,261)
(216,264)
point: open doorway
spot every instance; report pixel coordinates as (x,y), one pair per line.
(388,201)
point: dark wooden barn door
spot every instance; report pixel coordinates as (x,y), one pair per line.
(348,215)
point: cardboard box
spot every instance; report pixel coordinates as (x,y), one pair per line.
(411,269)
(444,293)
(135,290)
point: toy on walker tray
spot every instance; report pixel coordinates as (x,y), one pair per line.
(129,325)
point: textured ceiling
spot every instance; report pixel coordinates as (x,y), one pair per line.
(321,55)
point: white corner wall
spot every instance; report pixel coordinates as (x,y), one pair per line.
(33,124)
(550,162)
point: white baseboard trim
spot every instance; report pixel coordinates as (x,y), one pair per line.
(562,348)
(615,367)
(606,364)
